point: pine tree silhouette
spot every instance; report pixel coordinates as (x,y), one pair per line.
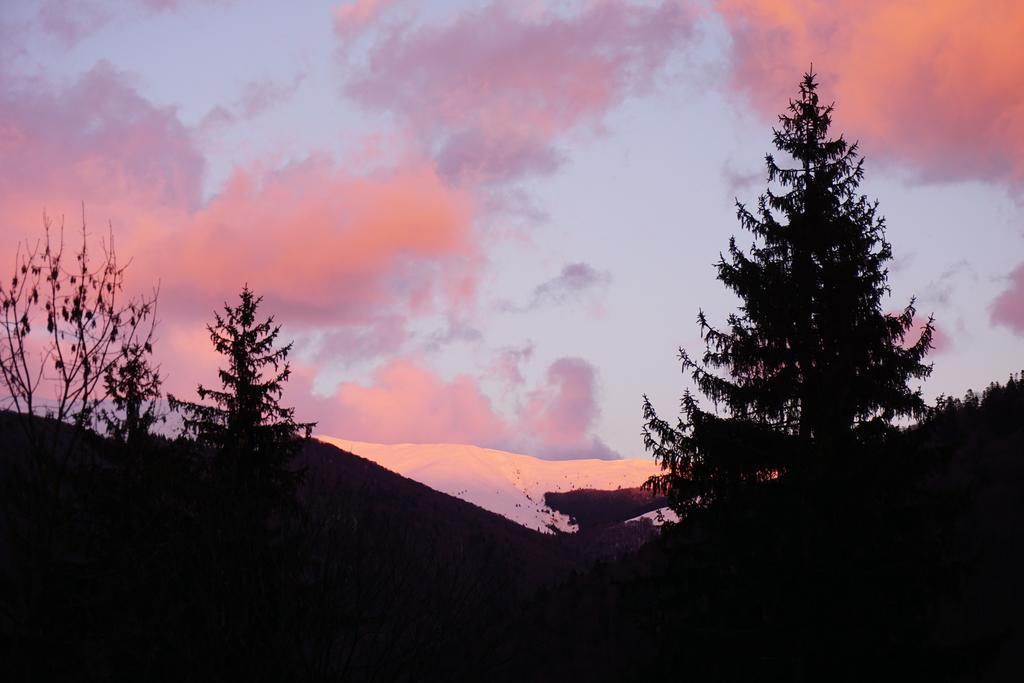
(248,512)
(133,389)
(811,365)
(252,437)
(806,540)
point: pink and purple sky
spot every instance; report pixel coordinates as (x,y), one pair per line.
(494,222)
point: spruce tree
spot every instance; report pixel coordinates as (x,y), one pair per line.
(811,366)
(248,510)
(250,435)
(805,538)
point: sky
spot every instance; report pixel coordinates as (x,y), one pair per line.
(495,222)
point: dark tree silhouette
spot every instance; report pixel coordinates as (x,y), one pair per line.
(806,538)
(251,436)
(811,365)
(63,328)
(248,514)
(133,390)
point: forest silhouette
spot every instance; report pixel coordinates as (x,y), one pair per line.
(833,524)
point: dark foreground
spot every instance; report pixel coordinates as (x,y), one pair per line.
(141,570)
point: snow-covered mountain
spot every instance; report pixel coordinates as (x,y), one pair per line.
(510,484)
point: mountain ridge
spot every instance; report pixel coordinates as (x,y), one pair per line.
(510,484)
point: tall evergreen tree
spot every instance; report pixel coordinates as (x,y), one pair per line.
(811,366)
(806,537)
(248,510)
(251,436)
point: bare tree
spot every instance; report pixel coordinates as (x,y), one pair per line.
(65,325)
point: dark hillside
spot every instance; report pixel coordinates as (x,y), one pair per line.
(592,508)
(410,582)
(395,581)
(336,479)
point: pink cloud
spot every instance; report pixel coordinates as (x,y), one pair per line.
(493,90)
(357,256)
(1008,307)
(186,358)
(97,141)
(99,138)
(351,17)
(71,22)
(409,404)
(938,86)
(941,343)
(328,246)
(405,402)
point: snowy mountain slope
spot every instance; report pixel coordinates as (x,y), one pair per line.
(510,484)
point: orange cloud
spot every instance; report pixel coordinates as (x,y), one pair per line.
(935,84)
(320,242)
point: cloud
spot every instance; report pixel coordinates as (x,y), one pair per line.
(738,181)
(492,91)
(507,365)
(330,247)
(350,344)
(576,280)
(352,17)
(560,414)
(256,98)
(1008,307)
(937,86)
(354,257)
(260,95)
(96,141)
(940,290)
(456,330)
(353,260)
(71,22)
(941,343)
(405,402)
